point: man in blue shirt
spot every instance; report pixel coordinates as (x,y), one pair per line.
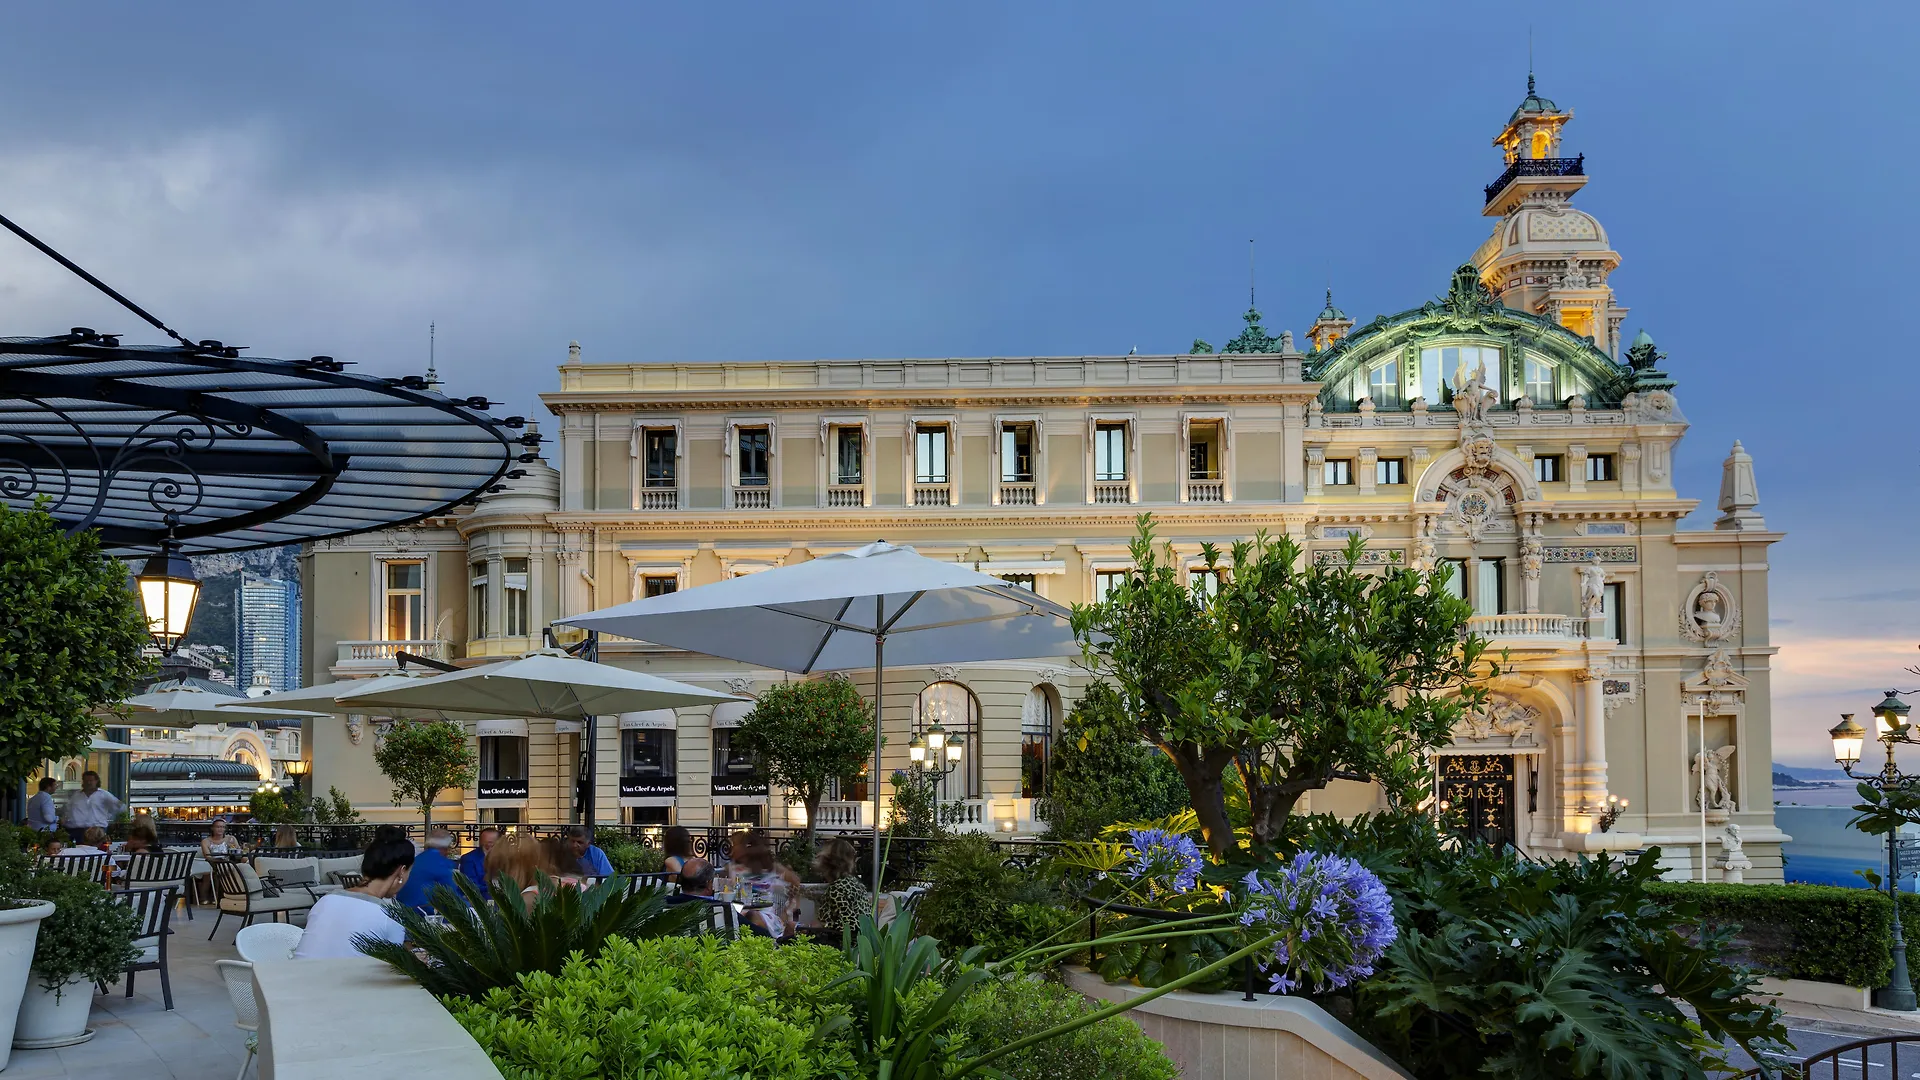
(432,867)
(593,861)
(473,865)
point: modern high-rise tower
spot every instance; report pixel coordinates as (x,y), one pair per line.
(267,631)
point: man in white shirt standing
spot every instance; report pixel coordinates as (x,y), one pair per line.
(90,807)
(42,815)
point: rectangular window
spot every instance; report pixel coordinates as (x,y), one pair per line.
(1456,586)
(930,455)
(1105,581)
(1613,609)
(1390,471)
(1109,452)
(1036,743)
(1203,452)
(1549,468)
(659,584)
(753,456)
(848,468)
(1383,385)
(1020,581)
(477,605)
(1016,454)
(1599,467)
(729,760)
(1490,591)
(1206,581)
(503,757)
(1539,384)
(647,754)
(519,611)
(405,601)
(1339,472)
(662,449)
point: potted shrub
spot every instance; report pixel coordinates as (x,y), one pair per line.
(87,938)
(20,918)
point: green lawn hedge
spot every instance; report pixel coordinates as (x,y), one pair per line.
(1819,932)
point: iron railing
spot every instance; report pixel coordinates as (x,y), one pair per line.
(1857,1058)
(1552,166)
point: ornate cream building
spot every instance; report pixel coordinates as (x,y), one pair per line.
(1503,428)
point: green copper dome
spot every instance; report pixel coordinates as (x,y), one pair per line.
(1331,313)
(1533,103)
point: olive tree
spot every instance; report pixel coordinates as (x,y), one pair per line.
(806,735)
(424,758)
(71,639)
(1296,673)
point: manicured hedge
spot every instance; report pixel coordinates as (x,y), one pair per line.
(1824,933)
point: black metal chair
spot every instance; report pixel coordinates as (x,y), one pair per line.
(91,867)
(720,917)
(149,869)
(153,909)
(241,891)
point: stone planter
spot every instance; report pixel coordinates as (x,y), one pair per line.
(19,929)
(48,1019)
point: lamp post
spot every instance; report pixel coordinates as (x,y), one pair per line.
(934,752)
(168,592)
(1849,738)
(296,769)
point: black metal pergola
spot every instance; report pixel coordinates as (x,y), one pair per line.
(193,447)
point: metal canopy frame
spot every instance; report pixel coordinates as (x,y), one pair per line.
(226,453)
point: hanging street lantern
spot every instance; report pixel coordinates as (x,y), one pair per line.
(168,592)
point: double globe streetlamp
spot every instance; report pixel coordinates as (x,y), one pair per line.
(1849,738)
(925,751)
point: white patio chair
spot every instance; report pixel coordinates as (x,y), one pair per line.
(267,941)
(238,977)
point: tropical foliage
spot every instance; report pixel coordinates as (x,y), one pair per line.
(1294,674)
(1007,1010)
(1102,773)
(478,946)
(808,734)
(972,892)
(423,758)
(71,636)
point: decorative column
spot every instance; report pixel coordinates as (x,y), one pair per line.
(1588,789)
(1533,553)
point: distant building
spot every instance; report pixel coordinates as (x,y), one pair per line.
(267,632)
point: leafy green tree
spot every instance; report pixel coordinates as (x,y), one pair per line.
(424,758)
(808,734)
(1101,773)
(334,808)
(71,635)
(1295,674)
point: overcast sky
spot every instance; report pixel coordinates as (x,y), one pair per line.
(747,182)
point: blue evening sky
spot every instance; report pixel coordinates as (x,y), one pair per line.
(742,182)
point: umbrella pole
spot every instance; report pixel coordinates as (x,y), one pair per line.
(879,692)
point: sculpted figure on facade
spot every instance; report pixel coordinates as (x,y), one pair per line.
(1593,589)
(1710,613)
(1712,771)
(1471,396)
(1423,551)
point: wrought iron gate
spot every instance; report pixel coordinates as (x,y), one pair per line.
(1478,791)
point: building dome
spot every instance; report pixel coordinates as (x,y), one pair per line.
(1330,313)
(1550,230)
(1533,104)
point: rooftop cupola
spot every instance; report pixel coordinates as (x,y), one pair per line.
(1544,256)
(1330,326)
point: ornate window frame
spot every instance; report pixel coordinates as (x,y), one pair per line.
(730,449)
(1095,421)
(830,425)
(637,480)
(1037,421)
(910,450)
(1223,420)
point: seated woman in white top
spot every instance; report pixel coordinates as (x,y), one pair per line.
(216,841)
(338,918)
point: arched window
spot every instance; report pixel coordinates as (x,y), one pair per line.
(953,706)
(1037,719)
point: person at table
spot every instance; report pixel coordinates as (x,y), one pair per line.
(526,860)
(42,815)
(678,844)
(53,846)
(766,877)
(92,807)
(142,837)
(217,844)
(846,898)
(696,885)
(433,866)
(593,862)
(338,917)
(95,839)
(473,865)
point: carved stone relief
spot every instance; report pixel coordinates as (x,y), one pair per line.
(1710,612)
(1716,767)
(946,674)
(1502,722)
(740,685)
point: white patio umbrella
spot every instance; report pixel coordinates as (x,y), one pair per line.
(545,683)
(108,746)
(343,697)
(845,611)
(187,707)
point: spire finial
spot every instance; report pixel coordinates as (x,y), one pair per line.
(1529,59)
(1250,304)
(432,378)
(1329,294)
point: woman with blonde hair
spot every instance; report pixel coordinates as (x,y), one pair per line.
(526,858)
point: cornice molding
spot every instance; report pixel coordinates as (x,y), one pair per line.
(615,523)
(870,399)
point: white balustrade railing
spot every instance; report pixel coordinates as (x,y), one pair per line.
(964,812)
(847,495)
(841,815)
(383,652)
(659,499)
(1013,494)
(1528,626)
(933,494)
(1206,491)
(1110,492)
(752,498)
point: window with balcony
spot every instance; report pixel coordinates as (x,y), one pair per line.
(753,457)
(1016,454)
(849,466)
(1549,468)
(1206,462)
(1539,381)
(1456,586)
(659,584)
(518,614)
(1037,720)
(1338,472)
(661,449)
(405,600)
(930,455)
(1490,590)
(1613,609)
(1109,453)
(1600,467)
(1388,471)
(477,601)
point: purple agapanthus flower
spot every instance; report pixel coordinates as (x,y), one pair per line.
(1333,916)
(1167,863)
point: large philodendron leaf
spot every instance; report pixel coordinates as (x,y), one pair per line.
(1572,1024)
